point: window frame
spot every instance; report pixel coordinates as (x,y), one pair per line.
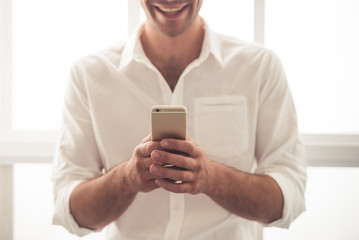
(6,170)
(38,146)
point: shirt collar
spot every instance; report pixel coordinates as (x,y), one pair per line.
(133,50)
(211,45)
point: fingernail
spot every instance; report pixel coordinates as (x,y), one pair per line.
(156,155)
(164,143)
(154,169)
(158,182)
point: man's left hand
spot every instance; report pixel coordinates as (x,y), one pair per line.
(193,167)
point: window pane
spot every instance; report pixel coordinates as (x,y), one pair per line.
(332,209)
(48,37)
(231,17)
(33,205)
(317,41)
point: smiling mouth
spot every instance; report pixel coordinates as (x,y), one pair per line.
(170,10)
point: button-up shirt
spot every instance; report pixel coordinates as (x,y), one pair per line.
(239,110)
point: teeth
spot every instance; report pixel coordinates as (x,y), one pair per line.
(170,10)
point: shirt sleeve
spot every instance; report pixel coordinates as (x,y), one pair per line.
(77,157)
(279,151)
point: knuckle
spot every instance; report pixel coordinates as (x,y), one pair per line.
(186,163)
(190,149)
(197,167)
(147,149)
(172,143)
(138,164)
(165,157)
(186,176)
(181,176)
(165,172)
(137,150)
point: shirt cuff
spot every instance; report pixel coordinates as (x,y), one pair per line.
(294,203)
(62,215)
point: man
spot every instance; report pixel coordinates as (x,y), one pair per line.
(244,167)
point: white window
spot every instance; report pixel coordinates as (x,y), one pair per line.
(234,18)
(48,37)
(317,41)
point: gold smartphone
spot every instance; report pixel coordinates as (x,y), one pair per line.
(168,121)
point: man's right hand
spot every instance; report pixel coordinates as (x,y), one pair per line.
(96,202)
(138,175)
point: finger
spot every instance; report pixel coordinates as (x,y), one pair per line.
(146,148)
(191,140)
(146,139)
(171,173)
(148,176)
(173,159)
(148,161)
(149,186)
(174,187)
(187,147)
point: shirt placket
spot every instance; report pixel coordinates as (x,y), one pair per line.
(176,216)
(177,203)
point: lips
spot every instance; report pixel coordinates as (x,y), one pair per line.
(170,10)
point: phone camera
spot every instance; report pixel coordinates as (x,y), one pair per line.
(157,110)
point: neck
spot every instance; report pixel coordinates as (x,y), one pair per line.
(171,55)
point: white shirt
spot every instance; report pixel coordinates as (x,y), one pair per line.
(240,111)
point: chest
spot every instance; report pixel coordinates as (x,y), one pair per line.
(171,72)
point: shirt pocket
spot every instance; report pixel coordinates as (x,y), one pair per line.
(221,126)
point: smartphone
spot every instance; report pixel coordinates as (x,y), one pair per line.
(168,121)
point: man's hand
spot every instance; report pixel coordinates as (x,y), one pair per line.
(196,167)
(252,196)
(138,167)
(96,202)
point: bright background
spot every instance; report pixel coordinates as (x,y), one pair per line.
(317,41)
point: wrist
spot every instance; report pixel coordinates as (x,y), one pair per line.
(212,178)
(124,179)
